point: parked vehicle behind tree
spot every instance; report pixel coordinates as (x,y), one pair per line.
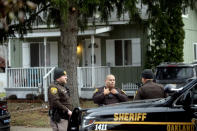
(175,73)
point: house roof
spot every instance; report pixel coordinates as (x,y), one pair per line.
(91,31)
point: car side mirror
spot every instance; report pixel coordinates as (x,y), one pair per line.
(171,88)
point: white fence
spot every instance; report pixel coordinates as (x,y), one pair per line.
(33,77)
(22,81)
(27,77)
(90,77)
(130,88)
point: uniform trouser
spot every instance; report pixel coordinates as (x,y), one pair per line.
(61,126)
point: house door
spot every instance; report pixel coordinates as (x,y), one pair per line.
(33,54)
(34,50)
(37,54)
(88,53)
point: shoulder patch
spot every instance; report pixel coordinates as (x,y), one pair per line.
(96,90)
(123,91)
(53,90)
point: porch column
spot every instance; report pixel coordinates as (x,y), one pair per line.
(92,60)
(45,71)
(6,61)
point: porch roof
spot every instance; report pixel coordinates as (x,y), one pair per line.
(57,33)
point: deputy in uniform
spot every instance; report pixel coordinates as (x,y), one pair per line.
(59,101)
(109,94)
(149,90)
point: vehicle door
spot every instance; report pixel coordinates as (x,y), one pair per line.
(183,113)
(144,118)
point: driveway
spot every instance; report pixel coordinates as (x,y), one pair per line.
(22,128)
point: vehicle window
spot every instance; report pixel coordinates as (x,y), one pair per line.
(171,73)
(194,95)
(180,101)
(196,70)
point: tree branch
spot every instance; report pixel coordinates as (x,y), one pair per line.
(32,17)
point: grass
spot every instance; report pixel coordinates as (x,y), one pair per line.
(35,114)
(28,114)
(2,94)
(30,119)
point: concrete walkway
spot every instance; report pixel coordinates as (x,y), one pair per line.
(22,128)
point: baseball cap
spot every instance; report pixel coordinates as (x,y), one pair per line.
(147,74)
(58,72)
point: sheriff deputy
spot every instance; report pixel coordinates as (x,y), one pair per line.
(109,94)
(59,101)
(150,89)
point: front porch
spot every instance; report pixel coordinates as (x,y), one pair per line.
(23,81)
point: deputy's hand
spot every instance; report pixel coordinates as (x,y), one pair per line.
(114,91)
(69,112)
(106,91)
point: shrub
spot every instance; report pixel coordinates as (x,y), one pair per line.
(12,97)
(31,97)
(41,97)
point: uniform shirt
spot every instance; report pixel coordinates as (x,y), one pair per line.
(150,90)
(100,99)
(59,97)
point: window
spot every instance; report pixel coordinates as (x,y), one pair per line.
(123,52)
(192,94)
(185,12)
(128,52)
(118,52)
(195,51)
(174,73)
(33,54)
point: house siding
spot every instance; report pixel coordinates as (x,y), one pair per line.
(132,31)
(190,35)
(128,74)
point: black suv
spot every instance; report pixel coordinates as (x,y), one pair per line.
(174,113)
(175,73)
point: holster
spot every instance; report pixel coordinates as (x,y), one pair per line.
(57,114)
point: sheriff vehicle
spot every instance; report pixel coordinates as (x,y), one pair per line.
(177,112)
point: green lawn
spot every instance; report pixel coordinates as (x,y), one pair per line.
(2,95)
(33,115)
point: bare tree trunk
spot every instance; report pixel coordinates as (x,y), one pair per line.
(68,54)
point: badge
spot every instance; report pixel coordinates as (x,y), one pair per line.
(96,91)
(123,91)
(64,72)
(53,90)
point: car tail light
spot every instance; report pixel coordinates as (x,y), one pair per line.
(3,108)
(172,66)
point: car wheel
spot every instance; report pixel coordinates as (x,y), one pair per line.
(6,129)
